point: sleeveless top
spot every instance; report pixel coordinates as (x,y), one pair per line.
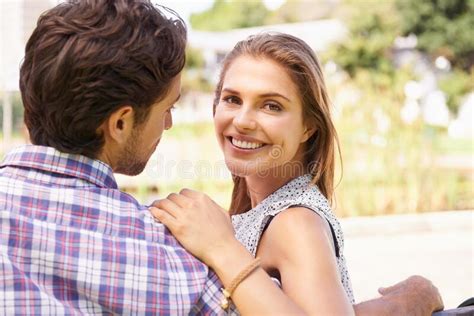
(249,226)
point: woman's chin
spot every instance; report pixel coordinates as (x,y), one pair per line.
(241,169)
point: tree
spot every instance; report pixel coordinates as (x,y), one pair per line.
(194,58)
(229,14)
(193,78)
(372,32)
(443,27)
(293,11)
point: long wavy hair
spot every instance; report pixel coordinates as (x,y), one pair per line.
(304,68)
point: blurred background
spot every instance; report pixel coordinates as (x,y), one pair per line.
(401,77)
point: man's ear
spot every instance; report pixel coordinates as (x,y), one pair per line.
(119,125)
(309,131)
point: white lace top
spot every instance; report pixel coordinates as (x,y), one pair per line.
(249,226)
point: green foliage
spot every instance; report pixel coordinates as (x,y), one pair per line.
(228,14)
(369,43)
(443,27)
(194,58)
(456,85)
(393,170)
(301,10)
(193,78)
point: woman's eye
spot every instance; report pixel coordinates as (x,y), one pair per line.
(231,99)
(171,109)
(273,107)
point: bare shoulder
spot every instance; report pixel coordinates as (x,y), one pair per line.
(300,222)
(298,215)
(298,244)
(295,233)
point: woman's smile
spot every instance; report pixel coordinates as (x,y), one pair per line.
(245,144)
(259,110)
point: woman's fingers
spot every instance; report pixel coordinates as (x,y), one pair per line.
(196,198)
(199,224)
(191,194)
(169,206)
(180,200)
(164,217)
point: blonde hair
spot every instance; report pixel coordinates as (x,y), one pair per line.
(304,68)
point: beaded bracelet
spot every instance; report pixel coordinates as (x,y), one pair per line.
(236,281)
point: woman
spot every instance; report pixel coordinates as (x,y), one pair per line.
(273,123)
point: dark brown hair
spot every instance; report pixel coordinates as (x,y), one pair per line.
(305,70)
(87,58)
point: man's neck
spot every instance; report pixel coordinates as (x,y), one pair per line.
(107,156)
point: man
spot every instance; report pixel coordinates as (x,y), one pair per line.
(98,81)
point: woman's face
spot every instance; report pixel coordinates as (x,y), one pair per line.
(259,120)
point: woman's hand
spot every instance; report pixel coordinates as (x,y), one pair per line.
(200,225)
(205,229)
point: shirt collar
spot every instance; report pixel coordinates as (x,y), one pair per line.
(51,160)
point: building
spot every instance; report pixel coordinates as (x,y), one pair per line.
(319,35)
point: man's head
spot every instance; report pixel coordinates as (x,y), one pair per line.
(95,68)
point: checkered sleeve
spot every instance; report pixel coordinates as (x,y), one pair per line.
(53,265)
(209,302)
(71,243)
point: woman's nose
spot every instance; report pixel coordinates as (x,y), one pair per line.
(245,119)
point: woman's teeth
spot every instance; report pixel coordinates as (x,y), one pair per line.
(246,145)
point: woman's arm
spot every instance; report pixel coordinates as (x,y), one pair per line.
(205,230)
(298,243)
(309,275)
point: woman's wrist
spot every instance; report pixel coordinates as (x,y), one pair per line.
(226,254)
(229,261)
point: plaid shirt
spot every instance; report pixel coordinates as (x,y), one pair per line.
(72,243)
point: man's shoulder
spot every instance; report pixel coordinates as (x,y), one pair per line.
(39,197)
(100,238)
